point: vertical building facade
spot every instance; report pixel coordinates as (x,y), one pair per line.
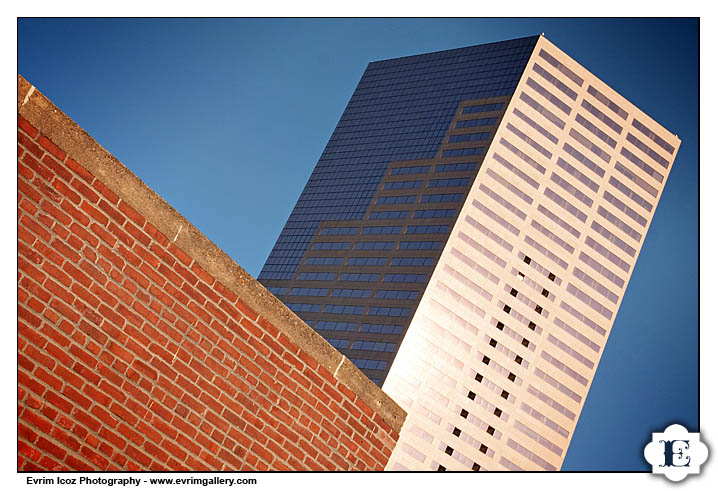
(466,239)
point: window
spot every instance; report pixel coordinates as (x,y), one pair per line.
(499,325)
(457,431)
(476,466)
(449,450)
(492,343)
(527,260)
(544,292)
(507,309)
(539,309)
(512,376)
(483,448)
(552,277)
(514,292)
(471,395)
(497,412)
(504,394)
(486,360)
(518,359)
(525,342)
(441,468)
(490,430)
(532,325)
(479,377)
(464,413)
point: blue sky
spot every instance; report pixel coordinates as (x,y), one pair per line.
(226,118)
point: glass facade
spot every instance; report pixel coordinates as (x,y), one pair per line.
(400,110)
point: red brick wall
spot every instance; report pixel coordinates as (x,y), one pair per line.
(132,357)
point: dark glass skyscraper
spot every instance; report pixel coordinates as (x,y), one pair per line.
(466,239)
(345,248)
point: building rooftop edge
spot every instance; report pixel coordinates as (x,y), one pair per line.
(61,129)
(535,36)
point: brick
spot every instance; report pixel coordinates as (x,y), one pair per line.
(203,275)
(28,190)
(38,167)
(56,213)
(65,190)
(27,127)
(28,451)
(51,147)
(105,191)
(84,190)
(83,234)
(57,168)
(79,170)
(37,229)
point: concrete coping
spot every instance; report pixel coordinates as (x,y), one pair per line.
(68,135)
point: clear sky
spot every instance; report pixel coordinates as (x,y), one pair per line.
(226,118)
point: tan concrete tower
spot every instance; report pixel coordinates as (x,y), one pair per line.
(500,354)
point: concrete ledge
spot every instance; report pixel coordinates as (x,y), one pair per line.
(46,117)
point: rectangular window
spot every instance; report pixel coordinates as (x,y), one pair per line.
(441,213)
(531,142)
(403,184)
(470,123)
(469,137)
(642,165)
(395,200)
(480,108)
(548,96)
(652,136)
(448,183)
(462,152)
(540,129)
(595,149)
(561,68)
(542,110)
(602,117)
(457,167)
(596,131)
(607,102)
(554,81)
(417,169)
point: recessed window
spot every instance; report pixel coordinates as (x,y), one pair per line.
(518,359)
(520,276)
(544,292)
(514,292)
(539,309)
(490,430)
(532,325)
(492,343)
(464,413)
(441,468)
(486,360)
(471,395)
(456,432)
(483,448)
(525,342)
(479,377)
(527,260)
(497,412)
(504,394)
(552,277)
(499,325)
(507,309)
(476,467)
(512,376)
(449,450)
